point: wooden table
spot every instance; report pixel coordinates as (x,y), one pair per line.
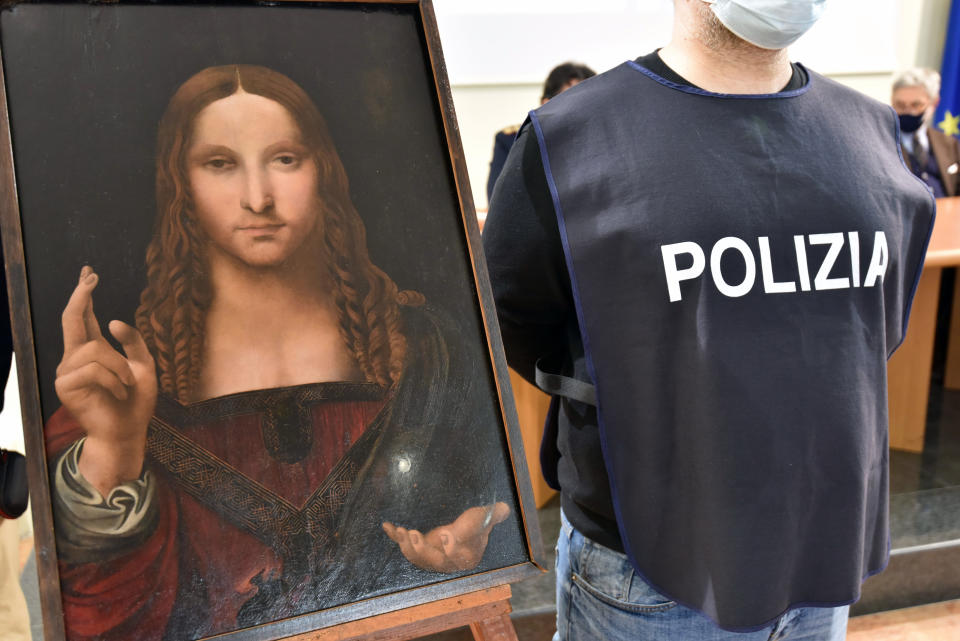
(908,371)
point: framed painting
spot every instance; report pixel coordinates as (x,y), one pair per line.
(261,376)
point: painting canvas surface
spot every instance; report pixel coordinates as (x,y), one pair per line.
(265,382)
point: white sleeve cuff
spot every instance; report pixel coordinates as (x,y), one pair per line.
(124,512)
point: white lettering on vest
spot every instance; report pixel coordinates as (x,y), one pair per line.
(802,271)
(771,286)
(878,262)
(835,242)
(854,238)
(675,274)
(716,256)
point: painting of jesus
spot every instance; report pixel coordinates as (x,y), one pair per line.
(283,429)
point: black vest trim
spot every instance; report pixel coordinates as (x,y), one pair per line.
(588,353)
(926,244)
(731,96)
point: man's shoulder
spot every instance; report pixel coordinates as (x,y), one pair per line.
(509,131)
(587,95)
(852,110)
(946,149)
(506,136)
(844,93)
(934,133)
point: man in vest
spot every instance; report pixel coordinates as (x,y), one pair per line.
(707,255)
(931,154)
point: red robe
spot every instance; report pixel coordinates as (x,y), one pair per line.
(270,504)
(133,595)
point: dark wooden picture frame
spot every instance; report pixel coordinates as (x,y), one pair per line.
(83,173)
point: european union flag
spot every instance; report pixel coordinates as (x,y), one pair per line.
(947,117)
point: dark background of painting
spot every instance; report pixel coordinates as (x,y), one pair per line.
(87,85)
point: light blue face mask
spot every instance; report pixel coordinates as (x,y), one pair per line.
(769,24)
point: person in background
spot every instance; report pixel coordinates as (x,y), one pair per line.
(931,155)
(14,618)
(561,78)
(711,299)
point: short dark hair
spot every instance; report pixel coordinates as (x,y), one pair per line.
(562,74)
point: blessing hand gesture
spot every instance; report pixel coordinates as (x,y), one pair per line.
(110,394)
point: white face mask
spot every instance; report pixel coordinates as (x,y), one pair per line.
(769,24)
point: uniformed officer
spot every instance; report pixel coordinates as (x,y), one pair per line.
(711,294)
(930,153)
(560,78)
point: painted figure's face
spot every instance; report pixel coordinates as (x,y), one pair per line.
(253,182)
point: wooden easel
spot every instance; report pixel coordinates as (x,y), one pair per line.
(487,612)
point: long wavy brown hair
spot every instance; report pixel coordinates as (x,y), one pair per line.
(173,305)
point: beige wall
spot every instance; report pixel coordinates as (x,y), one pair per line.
(482,111)
(922,30)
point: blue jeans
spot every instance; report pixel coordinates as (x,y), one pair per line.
(601,598)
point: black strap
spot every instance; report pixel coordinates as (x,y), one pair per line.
(13,484)
(560,385)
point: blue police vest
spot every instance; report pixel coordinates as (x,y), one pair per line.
(742,268)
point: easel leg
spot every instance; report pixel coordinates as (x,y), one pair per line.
(487,612)
(494,629)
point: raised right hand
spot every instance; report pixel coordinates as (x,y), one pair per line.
(112,396)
